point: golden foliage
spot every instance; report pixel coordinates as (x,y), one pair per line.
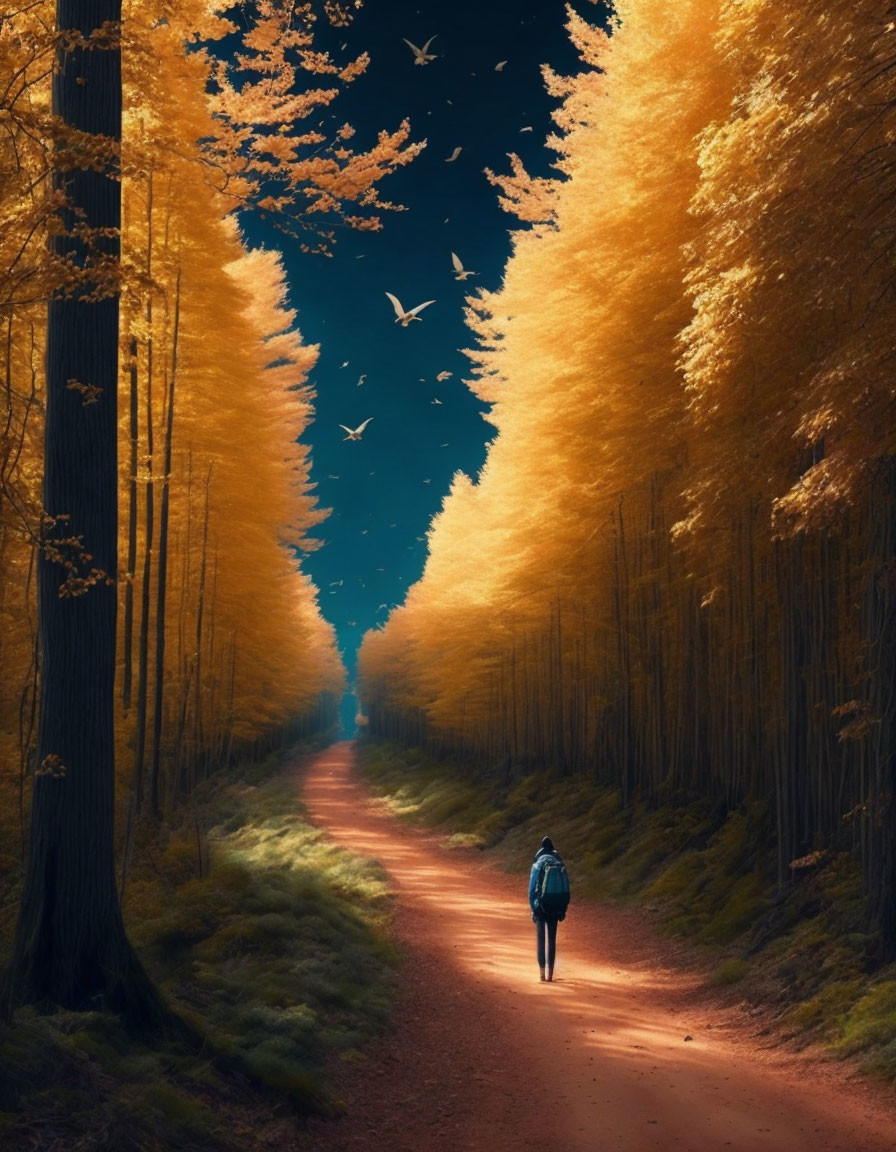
(677,560)
(259,141)
(214,392)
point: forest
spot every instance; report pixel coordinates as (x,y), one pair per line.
(673,578)
(674,573)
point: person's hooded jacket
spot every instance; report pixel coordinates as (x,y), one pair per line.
(545,852)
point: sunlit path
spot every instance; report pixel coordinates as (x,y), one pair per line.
(486,1057)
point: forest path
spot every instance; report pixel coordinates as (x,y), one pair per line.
(486,1058)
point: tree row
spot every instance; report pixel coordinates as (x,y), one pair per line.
(675,571)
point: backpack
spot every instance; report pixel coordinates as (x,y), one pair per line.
(552,891)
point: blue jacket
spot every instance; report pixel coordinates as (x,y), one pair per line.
(535,873)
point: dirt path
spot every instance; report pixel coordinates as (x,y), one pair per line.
(485,1058)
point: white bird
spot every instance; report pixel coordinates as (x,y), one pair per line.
(362,378)
(421,55)
(382,606)
(460,273)
(499,67)
(444,376)
(355,433)
(436,401)
(528,128)
(427,481)
(332,476)
(404,318)
(334,583)
(454,155)
(344,364)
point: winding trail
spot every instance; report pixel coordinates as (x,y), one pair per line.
(487,1059)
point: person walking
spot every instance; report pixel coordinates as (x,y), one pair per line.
(548,900)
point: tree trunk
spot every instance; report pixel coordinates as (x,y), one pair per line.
(127,676)
(154,792)
(70,946)
(149,528)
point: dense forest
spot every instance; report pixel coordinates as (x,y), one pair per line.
(672,583)
(154,500)
(675,570)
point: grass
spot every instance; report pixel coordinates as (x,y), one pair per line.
(705,875)
(266,938)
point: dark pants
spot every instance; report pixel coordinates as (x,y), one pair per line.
(546,930)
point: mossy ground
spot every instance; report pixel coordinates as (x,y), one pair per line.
(706,875)
(269,941)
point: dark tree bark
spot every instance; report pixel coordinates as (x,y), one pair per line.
(70,946)
(158,702)
(149,532)
(127,675)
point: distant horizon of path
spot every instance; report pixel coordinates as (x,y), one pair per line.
(622,1053)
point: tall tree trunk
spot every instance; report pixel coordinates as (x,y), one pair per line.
(149,529)
(70,945)
(127,676)
(162,575)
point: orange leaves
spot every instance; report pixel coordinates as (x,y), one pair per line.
(340,12)
(52,766)
(531,199)
(260,100)
(577,353)
(90,393)
(680,548)
(792,304)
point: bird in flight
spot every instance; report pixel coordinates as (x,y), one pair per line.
(454,155)
(499,67)
(404,318)
(362,378)
(421,55)
(444,376)
(460,273)
(355,433)
(436,400)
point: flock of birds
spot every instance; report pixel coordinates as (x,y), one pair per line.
(403,316)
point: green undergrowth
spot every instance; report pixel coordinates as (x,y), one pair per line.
(265,938)
(707,876)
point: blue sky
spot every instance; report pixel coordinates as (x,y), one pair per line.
(384,490)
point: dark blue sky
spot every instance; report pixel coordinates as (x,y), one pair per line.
(384,490)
